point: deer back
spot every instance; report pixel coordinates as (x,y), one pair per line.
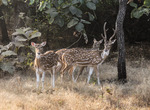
(60,53)
(82,56)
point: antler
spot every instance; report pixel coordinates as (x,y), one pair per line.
(115,30)
(105,30)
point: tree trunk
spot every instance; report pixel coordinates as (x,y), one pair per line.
(120,40)
(5,38)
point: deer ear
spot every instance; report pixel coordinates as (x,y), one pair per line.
(33,44)
(113,41)
(43,43)
(101,41)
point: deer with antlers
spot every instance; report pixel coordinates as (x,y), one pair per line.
(92,58)
(44,62)
(95,46)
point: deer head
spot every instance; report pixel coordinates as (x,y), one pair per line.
(107,44)
(38,48)
(96,44)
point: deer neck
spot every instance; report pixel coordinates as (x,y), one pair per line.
(105,53)
(37,63)
(37,54)
(37,59)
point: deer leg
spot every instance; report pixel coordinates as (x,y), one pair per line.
(42,79)
(90,73)
(61,77)
(67,67)
(72,72)
(53,77)
(64,65)
(79,73)
(87,69)
(97,73)
(51,72)
(58,67)
(37,78)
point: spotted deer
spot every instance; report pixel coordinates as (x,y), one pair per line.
(44,62)
(96,46)
(91,58)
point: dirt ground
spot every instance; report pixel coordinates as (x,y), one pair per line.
(16,92)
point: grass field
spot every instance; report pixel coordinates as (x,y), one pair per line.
(16,92)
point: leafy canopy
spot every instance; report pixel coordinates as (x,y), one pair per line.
(137,12)
(69,13)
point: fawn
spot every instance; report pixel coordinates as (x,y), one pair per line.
(44,62)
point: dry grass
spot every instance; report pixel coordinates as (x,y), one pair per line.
(16,91)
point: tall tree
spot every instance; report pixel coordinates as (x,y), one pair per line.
(120,40)
(5,38)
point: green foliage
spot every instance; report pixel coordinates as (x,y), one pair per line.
(133,4)
(28,61)
(91,17)
(147,3)
(8,53)
(4,50)
(137,12)
(73,22)
(91,5)
(79,27)
(7,67)
(26,34)
(68,13)
(31,2)
(21,52)
(4,64)
(5,2)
